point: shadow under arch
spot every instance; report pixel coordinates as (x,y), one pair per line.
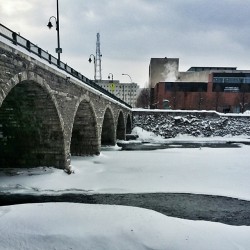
(129,124)
(84,137)
(120,129)
(31,132)
(108,128)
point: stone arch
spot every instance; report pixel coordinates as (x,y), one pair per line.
(129,124)
(84,136)
(108,128)
(31,131)
(120,129)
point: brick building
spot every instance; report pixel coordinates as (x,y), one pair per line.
(224,89)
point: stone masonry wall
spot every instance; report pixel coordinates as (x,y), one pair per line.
(170,124)
(64,95)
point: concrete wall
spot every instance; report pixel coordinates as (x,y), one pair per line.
(163,70)
(201,76)
(45,117)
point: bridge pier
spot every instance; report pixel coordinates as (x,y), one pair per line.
(84,139)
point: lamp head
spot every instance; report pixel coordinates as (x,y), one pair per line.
(49,25)
(90,60)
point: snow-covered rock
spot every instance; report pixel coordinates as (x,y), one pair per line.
(204,124)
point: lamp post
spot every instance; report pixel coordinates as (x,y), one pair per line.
(90,60)
(58,49)
(131,82)
(128,76)
(112,77)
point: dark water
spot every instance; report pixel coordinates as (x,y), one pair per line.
(187,206)
(174,144)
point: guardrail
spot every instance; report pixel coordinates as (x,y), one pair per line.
(16,39)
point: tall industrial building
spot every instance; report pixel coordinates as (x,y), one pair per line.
(161,70)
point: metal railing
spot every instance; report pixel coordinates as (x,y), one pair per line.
(18,40)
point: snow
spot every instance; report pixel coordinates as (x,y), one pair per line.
(216,171)
(81,226)
(146,135)
(220,171)
(246,113)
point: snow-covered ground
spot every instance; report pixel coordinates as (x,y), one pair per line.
(80,226)
(218,171)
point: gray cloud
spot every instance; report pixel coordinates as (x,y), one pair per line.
(199,32)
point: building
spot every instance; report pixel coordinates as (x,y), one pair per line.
(125,91)
(224,89)
(163,70)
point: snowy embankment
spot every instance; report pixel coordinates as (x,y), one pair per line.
(218,171)
(171,123)
(80,226)
(214,171)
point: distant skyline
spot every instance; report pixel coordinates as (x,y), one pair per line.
(198,32)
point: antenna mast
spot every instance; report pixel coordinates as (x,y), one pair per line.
(98,58)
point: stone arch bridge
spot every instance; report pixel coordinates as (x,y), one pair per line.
(47,115)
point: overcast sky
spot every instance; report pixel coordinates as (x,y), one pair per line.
(199,32)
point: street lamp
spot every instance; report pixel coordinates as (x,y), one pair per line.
(128,76)
(131,82)
(58,49)
(112,77)
(90,60)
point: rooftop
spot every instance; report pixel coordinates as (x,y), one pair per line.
(196,69)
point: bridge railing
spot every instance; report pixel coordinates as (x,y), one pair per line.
(18,40)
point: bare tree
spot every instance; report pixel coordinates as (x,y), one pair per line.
(243,97)
(217,90)
(201,99)
(174,96)
(143,99)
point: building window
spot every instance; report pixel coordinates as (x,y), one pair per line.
(186,86)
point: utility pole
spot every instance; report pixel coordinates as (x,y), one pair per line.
(98,58)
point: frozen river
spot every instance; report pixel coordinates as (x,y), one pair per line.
(172,181)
